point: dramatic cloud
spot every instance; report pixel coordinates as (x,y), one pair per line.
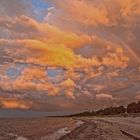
(69,55)
(94,13)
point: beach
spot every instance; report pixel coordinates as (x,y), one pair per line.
(83,128)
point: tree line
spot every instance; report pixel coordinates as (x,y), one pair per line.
(133,107)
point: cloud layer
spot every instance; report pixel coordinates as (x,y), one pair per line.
(70,55)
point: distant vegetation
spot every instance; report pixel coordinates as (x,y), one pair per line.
(131,108)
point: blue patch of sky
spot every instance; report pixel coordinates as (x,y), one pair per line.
(41,4)
(52,73)
(38,8)
(14,72)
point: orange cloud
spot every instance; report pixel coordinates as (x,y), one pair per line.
(42,53)
(68,86)
(29,79)
(68,83)
(72,74)
(85,12)
(130,7)
(45,32)
(70,95)
(53,90)
(94,13)
(13,103)
(104,96)
(87,62)
(116,59)
(42,45)
(51,54)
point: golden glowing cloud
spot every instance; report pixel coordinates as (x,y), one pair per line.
(51,54)
(49,33)
(13,103)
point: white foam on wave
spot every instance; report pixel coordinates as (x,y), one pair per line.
(79,123)
(16,137)
(61,132)
(21,138)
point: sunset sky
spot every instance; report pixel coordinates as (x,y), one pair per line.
(69,55)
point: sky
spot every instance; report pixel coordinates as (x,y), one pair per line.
(69,55)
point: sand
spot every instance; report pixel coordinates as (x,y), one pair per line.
(89,128)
